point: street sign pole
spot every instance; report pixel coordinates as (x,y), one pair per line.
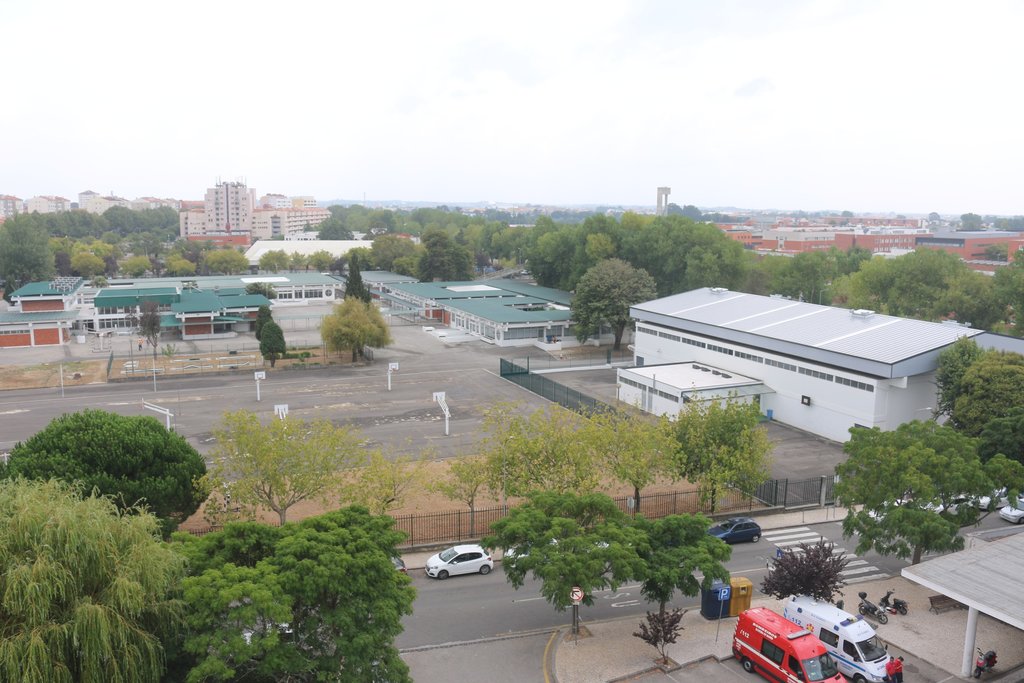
(723,595)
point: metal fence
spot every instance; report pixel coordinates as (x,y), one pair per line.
(550,389)
(790,493)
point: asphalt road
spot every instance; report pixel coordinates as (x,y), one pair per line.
(473,607)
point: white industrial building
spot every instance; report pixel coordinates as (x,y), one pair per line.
(818,368)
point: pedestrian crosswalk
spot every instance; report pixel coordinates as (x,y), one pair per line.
(857,570)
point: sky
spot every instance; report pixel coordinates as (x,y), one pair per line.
(871,106)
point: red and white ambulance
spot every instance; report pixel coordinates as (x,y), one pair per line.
(769,644)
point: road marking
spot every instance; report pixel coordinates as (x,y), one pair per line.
(859,570)
(787,530)
(626,603)
(859,579)
(786,537)
(547,649)
(13,412)
(539,597)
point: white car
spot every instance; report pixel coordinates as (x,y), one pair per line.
(999,496)
(459,559)
(1013,513)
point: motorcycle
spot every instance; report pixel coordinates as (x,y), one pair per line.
(894,605)
(870,609)
(985,662)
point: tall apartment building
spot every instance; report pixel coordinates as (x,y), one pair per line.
(274,201)
(304,202)
(47,204)
(9,206)
(226,215)
(99,204)
(85,197)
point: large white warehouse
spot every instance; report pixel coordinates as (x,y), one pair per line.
(818,368)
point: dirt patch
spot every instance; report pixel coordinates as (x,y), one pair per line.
(43,375)
(179,365)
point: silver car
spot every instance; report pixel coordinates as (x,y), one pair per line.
(459,559)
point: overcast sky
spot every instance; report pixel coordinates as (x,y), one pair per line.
(870,106)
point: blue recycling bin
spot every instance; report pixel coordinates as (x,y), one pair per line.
(714,601)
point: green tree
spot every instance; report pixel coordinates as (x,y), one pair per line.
(890,479)
(328,578)
(25,254)
(86,264)
(677,548)
(814,570)
(953,364)
(177,265)
(991,387)
(321,260)
(263,316)
(149,325)
(263,288)
(272,344)
(604,295)
(274,261)
(298,261)
(1003,435)
(226,261)
(354,287)
(88,591)
(1008,290)
(443,259)
(466,478)
(136,266)
(282,463)
(389,248)
(352,325)
(635,449)
(721,445)
(970,221)
(134,460)
(384,484)
(544,451)
(333,229)
(565,540)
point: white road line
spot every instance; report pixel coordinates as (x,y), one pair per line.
(870,577)
(860,570)
(787,530)
(856,563)
(809,541)
(789,537)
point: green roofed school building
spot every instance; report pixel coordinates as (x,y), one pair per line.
(48,313)
(500,312)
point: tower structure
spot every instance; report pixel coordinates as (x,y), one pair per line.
(663,193)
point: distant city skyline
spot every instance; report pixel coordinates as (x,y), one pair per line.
(812,105)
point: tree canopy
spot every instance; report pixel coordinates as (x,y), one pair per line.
(352,325)
(25,254)
(814,570)
(133,459)
(721,445)
(604,295)
(990,388)
(272,344)
(354,287)
(284,462)
(226,261)
(895,476)
(314,600)
(89,591)
(443,259)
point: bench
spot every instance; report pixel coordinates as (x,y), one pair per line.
(939,603)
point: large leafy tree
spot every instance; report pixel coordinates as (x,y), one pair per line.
(547,450)
(953,364)
(1008,288)
(25,254)
(565,540)
(88,590)
(352,325)
(814,570)
(466,478)
(389,248)
(226,261)
(315,600)
(677,549)
(284,462)
(136,266)
(274,261)
(263,316)
(891,478)
(134,460)
(635,448)
(444,258)
(721,445)
(990,388)
(1003,435)
(86,264)
(272,344)
(604,295)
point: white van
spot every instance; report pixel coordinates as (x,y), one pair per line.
(848,638)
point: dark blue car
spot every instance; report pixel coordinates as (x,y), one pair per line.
(737,530)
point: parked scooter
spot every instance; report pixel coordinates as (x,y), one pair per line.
(985,662)
(870,609)
(894,605)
